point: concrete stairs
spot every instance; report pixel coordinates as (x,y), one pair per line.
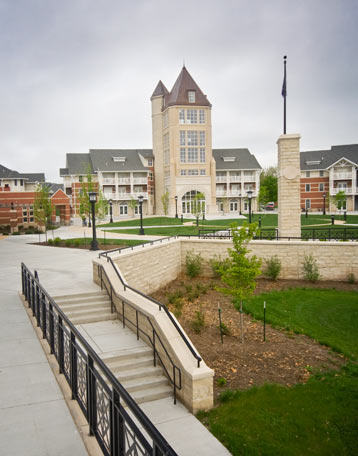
(86,307)
(135,370)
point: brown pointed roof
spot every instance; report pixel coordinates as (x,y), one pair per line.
(159,90)
(179,92)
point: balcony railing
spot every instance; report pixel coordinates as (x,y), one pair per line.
(342,176)
(235,178)
(124,195)
(221,193)
(220,178)
(109,181)
(347,190)
(140,180)
(124,180)
(249,178)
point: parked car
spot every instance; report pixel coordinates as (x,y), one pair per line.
(270,206)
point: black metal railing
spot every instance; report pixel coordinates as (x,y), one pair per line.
(161,306)
(99,394)
(122,249)
(269,234)
(153,338)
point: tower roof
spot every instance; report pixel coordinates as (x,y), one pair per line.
(159,90)
(179,93)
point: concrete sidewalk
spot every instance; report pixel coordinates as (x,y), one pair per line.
(34,418)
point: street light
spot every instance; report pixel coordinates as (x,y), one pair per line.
(324,204)
(176,206)
(140,201)
(240,203)
(249,196)
(93,199)
(110,211)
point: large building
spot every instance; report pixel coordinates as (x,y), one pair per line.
(17,195)
(326,172)
(181,164)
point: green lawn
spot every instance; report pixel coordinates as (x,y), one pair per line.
(105,241)
(149,221)
(316,418)
(165,231)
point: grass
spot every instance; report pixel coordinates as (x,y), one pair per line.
(148,221)
(328,316)
(165,231)
(316,418)
(122,242)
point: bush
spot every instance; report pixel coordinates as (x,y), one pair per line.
(273,268)
(351,278)
(50,242)
(16,233)
(199,322)
(221,381)
(57,241)
(219,265)
(310,268)
(224,329)
(68,242)
(76,242)
(193,263)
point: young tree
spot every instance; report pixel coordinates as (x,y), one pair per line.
(133,203)
(242,271)
(268,185)
(165,202)
(340,199)
(198,205)
(101,205)
(43,206)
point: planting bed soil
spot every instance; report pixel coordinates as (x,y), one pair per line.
(285,357)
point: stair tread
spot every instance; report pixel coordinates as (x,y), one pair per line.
(145,383)
(141,372)
(80,312)
(81,295)
(122,363)
(78,302)
(128,353)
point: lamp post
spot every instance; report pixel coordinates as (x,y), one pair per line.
(240,203)
(249,196)
(324,204)
(176,206)
(110,211)
(140,201)
(93,198)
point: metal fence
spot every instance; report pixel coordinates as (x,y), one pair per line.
(99,394)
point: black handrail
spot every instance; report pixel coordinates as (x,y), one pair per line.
(161,306)
(77,360)
(138,329)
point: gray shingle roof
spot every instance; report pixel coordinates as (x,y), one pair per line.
(77,164)
(34,177)
(53,187)
(102,159)
(6,173)
(324,159)
(243,159)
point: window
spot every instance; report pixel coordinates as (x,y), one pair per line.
(150,162)
(192,154)
(321,173)
(119,159)
(191,116)
(182,138)
(308,204)
(12,206)
(228,159)
(192,137)
(15,181)
(123,209)
(193,172)
(202,138)
(191,96)
(201,116)
(150,177)
(321,187)
(308,187)
(203,172)
(183,172)
(181,116)
(233,206)
(182,155)
(80,179)
(202,154)
(308,173)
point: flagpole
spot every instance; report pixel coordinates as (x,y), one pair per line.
(284,93)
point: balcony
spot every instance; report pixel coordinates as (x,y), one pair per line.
(221,192)
(347,191)
(342,175)
(108,181)
(124,195)
(220,178)
(109,195)
(235,178)
(236,193)
(124,180)
(249,178)
(140,180)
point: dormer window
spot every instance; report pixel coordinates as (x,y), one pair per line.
(119,159)
(229,159)
(191,96)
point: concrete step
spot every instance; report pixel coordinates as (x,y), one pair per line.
(152,394)
(93,318)
(145,383)
(74,301)
(127,364)
(127,354)
(80,295)
(141,372)
(89,312)
(85,306)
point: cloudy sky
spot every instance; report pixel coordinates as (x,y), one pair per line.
(78,74)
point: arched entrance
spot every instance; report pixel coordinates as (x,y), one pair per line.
(193,202)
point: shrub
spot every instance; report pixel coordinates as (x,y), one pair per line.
(68,242)
(16,233)
(219,266)
(225,329)
(57,241)
(173,297)
(351,278)
(188,288)
(201,289)
(50,242)
(273,267)
(199,322)
(178,307)
(193,263)
(221,381)
(76,242)
(310,268)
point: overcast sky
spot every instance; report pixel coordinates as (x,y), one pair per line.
(78,74)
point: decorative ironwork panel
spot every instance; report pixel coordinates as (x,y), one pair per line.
(81,380)
(132,446)
(47,321)
(55,331)
(103,414)
(66,355)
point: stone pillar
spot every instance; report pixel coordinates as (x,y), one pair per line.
(289,199)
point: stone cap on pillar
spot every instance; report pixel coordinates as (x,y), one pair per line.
(288,137)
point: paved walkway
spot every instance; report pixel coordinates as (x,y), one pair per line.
(34,417)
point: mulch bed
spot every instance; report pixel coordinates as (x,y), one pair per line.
(285,358)
(82,246)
